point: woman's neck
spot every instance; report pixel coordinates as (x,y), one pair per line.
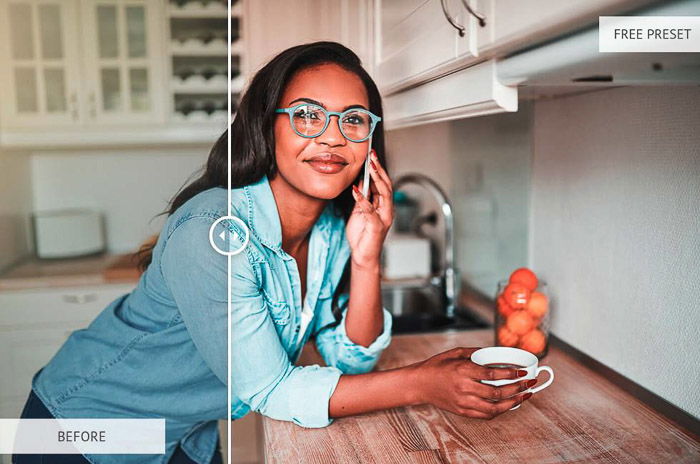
(298,213)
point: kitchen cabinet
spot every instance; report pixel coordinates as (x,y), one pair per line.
(40,78)
(433,68)
(199,65)
(514,24)
(116,72)
(474,91)
(415,38)
(415,41)
(428,65)
(33,326)
(122,66)
(104,72)
(412,39)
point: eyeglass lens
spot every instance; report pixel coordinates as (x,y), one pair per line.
(310,120)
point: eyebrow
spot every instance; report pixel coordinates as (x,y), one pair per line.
(310,100)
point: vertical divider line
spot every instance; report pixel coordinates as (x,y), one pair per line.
(228,273)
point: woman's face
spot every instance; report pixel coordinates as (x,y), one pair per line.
(321,167)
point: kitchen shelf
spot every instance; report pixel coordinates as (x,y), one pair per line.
(209,12)
(215,48)
(217,86)
(200,116)
(191,133)
(177,48)
(215,11)
(237,84)
(213,86)
(190,27)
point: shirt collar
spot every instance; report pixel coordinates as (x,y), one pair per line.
(264,217)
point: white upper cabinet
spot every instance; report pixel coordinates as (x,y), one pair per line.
(417,37)
(83,72)
(122,63)
(61,75)
(38,47)
(427,63)
(437,60)
(516,23)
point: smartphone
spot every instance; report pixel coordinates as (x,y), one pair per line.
(365,183)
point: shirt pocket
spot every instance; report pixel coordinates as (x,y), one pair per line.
(279,310)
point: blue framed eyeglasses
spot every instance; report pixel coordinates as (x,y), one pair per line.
(310,120)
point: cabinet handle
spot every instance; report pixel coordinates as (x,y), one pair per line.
(451,20)
(480,17)
(80,298)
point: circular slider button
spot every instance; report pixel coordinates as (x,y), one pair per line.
(229,235)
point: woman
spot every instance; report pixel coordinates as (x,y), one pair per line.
(314,247)
(309,269)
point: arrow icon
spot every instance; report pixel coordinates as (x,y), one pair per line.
(232,240)
(234,236)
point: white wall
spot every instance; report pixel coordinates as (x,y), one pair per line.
(615,229)
(483,164)
(271,27)
(490,191)
(129,187)
(15,207)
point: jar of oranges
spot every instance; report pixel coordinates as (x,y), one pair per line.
(522,313)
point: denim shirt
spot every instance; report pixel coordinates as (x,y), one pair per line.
(266,316)
(161,351)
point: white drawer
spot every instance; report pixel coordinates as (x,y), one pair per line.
(47,307)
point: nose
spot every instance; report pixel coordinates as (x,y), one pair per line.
(332,135)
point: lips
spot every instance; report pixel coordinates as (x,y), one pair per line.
(327,163)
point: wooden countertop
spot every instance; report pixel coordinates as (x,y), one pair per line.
(582,417)
(92,270)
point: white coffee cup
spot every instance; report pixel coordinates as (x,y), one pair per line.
(525,360)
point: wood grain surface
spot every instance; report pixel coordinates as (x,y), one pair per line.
(582,417)
(70,272)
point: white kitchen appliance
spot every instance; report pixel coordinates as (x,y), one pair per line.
(68,233)
(406,256)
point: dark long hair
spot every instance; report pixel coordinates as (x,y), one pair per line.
(253,137)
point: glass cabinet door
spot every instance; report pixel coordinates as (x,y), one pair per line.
(39,62)
(121,60)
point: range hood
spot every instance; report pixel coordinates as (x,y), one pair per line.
(573,61)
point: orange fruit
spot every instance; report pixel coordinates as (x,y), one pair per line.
(533,341)
(506,337)
(537,306)
(516,295)
(520,322)
(524,276)
(503,307)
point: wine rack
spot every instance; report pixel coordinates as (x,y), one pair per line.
(199,59)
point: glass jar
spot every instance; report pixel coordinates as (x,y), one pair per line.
(523,317)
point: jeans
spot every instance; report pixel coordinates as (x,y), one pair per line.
(35,409)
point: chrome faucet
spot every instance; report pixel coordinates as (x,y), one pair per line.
(447,280)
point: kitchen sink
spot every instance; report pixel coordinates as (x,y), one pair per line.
(419,309)
(421,323)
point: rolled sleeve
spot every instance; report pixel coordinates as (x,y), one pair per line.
(339,351)
(310,394)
